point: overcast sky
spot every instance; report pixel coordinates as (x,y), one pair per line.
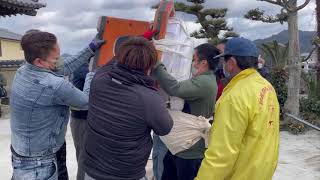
(74,21)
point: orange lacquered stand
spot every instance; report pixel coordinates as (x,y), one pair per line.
(111,28)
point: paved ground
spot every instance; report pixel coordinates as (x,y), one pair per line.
(299,155)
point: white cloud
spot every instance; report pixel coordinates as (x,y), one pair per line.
(74,21)
(255,30)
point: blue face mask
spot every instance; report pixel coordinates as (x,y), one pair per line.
(225,72)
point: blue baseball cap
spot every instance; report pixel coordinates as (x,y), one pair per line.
(240,47)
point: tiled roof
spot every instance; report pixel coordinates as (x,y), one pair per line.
(13,7)
(6,34)
(11,63)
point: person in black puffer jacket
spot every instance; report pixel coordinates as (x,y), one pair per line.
(124,106)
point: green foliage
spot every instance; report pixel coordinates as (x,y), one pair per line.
(310,105)
(311,79)
(275,52)
(311,117)
(230,34)
(197,1)
(259,15)
(254,14)
(316,41)
(194,9)
(278,80)
(216,13)
(310,110)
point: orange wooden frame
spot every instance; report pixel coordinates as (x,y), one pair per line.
(110,28)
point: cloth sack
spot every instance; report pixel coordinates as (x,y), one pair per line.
(186,131)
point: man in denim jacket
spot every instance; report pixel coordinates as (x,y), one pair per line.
(40,101)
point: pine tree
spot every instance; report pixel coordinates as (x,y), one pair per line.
(212,20)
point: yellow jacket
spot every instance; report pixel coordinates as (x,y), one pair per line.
(244,140)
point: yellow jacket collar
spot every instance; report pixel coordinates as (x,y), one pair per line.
(243,74)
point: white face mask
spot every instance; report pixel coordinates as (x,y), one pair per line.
(194,70)
(260,65)
(58,65)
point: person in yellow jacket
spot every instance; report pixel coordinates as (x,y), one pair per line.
(244,139)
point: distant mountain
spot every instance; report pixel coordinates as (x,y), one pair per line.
(306,38)
(65,55)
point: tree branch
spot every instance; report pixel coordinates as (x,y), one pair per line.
(283,11)
(229,34)
(316,42)
(286,5)
(258,15)
(294,9)
(284,2)
(310,54)
(302,5)
(273,2)
(215,13)
(187,9)
(280,2)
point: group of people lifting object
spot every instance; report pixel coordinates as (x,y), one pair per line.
(115,107)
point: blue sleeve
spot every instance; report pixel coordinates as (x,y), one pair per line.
(79,76)
(71,64)
(67,94)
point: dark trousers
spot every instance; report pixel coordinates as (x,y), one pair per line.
(176,168)
(87,177)
(78,129)
(0,108)
(62,163)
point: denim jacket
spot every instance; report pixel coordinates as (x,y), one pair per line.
(39,103)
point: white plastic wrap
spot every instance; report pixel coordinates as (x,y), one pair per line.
(177,55)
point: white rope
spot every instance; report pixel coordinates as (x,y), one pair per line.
(165,45)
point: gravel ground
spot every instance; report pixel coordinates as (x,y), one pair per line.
(299,155)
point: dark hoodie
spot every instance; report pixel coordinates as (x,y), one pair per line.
(124,107)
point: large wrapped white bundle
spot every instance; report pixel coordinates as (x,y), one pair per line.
(177,55)
(186,131)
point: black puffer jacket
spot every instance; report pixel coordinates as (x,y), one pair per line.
(124,107)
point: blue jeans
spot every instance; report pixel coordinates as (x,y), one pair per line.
(34,168)
(158,153)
